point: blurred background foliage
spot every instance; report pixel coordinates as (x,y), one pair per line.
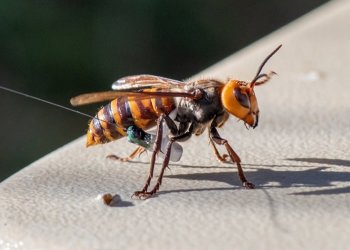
(56,49)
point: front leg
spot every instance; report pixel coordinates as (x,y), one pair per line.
(222,158)
(214,135)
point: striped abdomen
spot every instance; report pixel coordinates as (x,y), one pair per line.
(112,121)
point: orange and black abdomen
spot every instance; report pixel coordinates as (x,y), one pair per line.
(112,121)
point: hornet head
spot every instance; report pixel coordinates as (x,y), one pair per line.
(238,97)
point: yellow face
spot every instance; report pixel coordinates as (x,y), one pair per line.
(238,98)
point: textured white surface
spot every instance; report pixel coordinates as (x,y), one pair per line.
(298,157)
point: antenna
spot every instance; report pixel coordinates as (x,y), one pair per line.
(257,76)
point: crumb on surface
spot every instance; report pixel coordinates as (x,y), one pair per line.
(107,198)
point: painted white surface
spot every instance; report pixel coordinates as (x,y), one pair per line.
(299,158)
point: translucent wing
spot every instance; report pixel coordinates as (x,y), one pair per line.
(145,86)
(206,83)
(146,81)
(137,94)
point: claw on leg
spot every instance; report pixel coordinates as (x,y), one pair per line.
(248,185)
(225,158)
(141,195)
(138,151)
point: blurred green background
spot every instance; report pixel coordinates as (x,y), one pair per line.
(56,49)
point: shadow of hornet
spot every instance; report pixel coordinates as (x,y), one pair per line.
(314,177)
(337,162)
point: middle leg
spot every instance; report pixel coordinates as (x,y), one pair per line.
(165,164)
(156,149)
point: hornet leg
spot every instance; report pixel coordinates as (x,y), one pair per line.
(214,135)
(138,151)
(222,158)
(156,187)
(156,149)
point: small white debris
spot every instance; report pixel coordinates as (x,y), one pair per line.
(311,76)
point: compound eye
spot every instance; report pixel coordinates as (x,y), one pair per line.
(243,99)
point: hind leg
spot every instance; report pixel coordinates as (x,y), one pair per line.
(138,151)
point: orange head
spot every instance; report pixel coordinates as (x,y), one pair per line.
(238,97)
(239,100)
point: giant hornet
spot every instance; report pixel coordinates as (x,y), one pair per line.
(141,102)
